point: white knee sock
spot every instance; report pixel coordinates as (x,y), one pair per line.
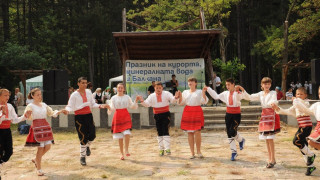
(160,142)
(89,143)
(233,146)
(238,137)
(307,151)
(166,142)
(83,150)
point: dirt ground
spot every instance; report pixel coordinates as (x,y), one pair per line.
(62,161)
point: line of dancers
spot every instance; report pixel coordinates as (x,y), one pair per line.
(192,121)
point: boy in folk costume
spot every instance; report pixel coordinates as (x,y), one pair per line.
(314,138)
(232,99)
(269,124)
(40,133)
(305,127)
(192,118)
(81,102)
(121,122)
(160,100)
(7,116)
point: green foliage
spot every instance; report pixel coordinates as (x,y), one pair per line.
(303,30)
(14,56)
(229,69)
(165,15)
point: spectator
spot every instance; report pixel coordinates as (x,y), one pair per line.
(298,85)
(114,92)
(151,88)
(289,94)
(306,85)
(293,86)
(89,86)
(70,91)
(279,93)
(217,81)
(310,88)
(106,95)
(97,96)
(175,84)
(18,98)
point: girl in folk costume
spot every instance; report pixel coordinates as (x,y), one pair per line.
(160,100)
(7,116)
(40,133)
(269,124)
(305,127)
(232,98)
(192,118)
(121,122)
(81,102)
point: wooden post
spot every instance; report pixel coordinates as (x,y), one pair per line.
(124,55)
(124,19)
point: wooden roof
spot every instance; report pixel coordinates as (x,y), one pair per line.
(157,45)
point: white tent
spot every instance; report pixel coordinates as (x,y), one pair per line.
(35,82)
(115,79)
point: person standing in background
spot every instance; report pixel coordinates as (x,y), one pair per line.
(151,88)
(217,81)
(19,100)
(175,84)
(279,93)
(310,88)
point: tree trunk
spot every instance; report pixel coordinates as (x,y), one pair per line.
(239,38)
(24,22)
(30,29)
(5,17)
(18,21)
(90,61)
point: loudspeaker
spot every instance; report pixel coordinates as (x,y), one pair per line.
(55,87)
(61,87)
(315,77)
(48,87)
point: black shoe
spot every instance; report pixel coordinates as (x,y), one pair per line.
(88,151)
(310,170)
(311,160)
(83,161)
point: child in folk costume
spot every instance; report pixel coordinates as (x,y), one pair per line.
(80,102)
(269,124)
(314,138)
(305,127)
(7,116)
(232,99)
(160,100)
(40,133)
(192,118)
(121,122)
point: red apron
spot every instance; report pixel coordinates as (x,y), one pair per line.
(121,121)
(192,118)
(315,136)
(267,120)
(40,131)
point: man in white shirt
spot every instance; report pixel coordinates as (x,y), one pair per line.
(81,102)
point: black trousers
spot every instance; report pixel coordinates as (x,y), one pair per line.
(162,123)
(85,128)
(232,123)
(300,138)
(5,145)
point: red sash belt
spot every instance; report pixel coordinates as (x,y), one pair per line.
(121,121)
(304,121)
(160,110)
(234,110)
(85,110)
(5,124)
